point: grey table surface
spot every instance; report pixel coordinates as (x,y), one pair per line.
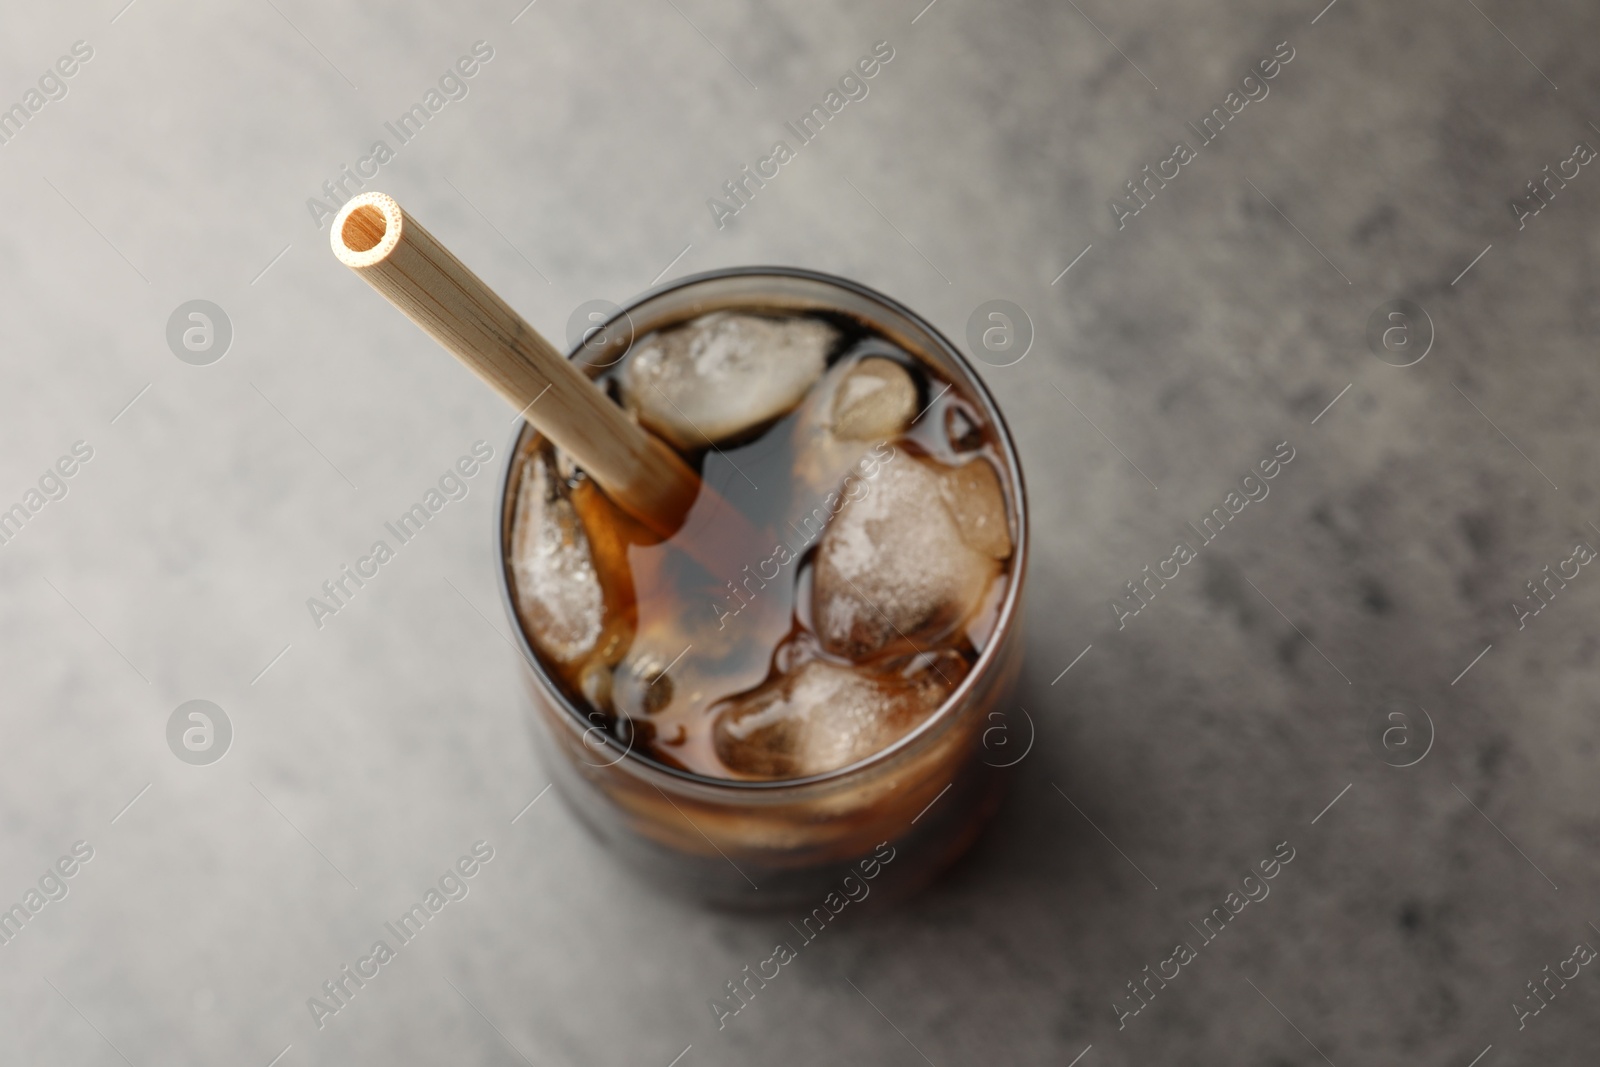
(1230,314)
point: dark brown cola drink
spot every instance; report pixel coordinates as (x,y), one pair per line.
(807,668)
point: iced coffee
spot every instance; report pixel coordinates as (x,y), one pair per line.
(795,671)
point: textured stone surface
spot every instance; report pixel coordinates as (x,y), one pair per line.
(1198,337)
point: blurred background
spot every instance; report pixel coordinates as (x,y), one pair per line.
(1344,675)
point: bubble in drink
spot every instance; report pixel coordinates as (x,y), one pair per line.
(869,584)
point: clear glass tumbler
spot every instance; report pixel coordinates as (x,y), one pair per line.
(920,802)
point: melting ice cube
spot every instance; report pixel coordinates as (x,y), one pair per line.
(823,717)
(558,589)
(867,401)
(910,557)
(722,374)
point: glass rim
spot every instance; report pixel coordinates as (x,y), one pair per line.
(1005,617)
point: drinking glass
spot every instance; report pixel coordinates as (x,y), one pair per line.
(920,801)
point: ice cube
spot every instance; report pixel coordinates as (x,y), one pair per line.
(875,399)
(972,493)
(898,566)
(869,400)
(722,374)
(558,589)
(640,684)
(822,717)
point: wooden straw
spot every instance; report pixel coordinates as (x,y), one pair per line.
(373,236)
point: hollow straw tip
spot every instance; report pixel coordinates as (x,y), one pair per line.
(366,230)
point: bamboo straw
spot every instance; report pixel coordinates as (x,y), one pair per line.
(376,238)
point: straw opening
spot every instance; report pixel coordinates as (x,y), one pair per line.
(364,228)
